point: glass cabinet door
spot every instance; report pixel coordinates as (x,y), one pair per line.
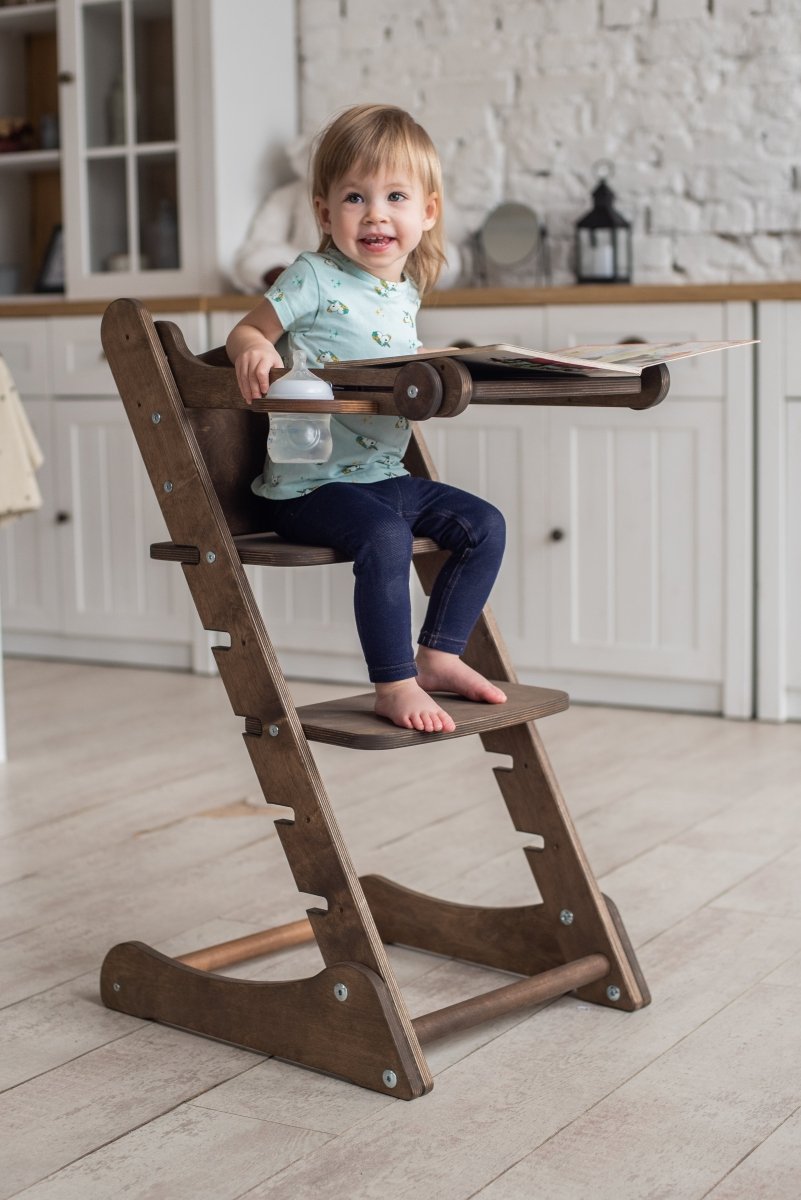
(31,216)
(128,150)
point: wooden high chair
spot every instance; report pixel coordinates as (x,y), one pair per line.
(202,445)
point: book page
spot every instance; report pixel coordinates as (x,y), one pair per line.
(617,359)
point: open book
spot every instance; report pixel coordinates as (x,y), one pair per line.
(628,358)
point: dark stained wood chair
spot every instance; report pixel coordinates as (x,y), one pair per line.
(202,445)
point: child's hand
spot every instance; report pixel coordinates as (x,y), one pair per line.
(253,368)
(251,348)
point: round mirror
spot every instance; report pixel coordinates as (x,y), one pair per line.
(510,234)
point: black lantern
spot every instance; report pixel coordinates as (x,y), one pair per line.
(603,240)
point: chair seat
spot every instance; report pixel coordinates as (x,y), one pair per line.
(352,721)
(269,550)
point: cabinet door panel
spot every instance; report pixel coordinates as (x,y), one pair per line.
(24,344)
(792,344)
(520,326)
(578,324)
(221,324)
(28,546)
(499,453)
(792,581)
(308,610)
(79,363)
(111,587)
(636,582)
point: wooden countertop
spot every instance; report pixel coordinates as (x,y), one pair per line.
(691,293)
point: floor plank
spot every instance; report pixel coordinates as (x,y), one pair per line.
(680,1124)
(57,1118)
(185,1155)
(139,816)
(772,1170)
(490,1109)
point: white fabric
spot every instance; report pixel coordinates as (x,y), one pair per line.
(20,455)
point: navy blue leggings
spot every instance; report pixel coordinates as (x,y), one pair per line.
(374,524)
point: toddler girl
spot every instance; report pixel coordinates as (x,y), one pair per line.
(377,194)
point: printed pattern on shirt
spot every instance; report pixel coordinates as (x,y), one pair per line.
(335,312)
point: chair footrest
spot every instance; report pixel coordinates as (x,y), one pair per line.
(352,721)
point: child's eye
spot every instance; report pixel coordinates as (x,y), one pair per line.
(397,196)
(353,198)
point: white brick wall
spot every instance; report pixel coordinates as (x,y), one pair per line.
(697,103)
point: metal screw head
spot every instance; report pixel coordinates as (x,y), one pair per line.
(116,986)
(340,991)
(273,731)
(210,556)
(155,418)
(390,1078)
(411,391)
(168,486)
(566,916)
(613,992)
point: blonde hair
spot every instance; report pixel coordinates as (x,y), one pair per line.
(376,136)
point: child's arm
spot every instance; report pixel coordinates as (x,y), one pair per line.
(251,348)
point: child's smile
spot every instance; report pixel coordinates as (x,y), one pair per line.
(378,219)
(375,243)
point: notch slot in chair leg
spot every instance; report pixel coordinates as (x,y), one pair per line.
(520,994)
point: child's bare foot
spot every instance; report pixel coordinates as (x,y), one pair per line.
(406,704)
(442,672)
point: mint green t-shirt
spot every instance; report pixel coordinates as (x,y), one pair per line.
(334,311)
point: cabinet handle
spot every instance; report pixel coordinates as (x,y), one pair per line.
(63,518)
(556,535)
(65,77)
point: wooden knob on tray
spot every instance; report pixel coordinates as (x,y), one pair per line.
(457,383)
(417,392)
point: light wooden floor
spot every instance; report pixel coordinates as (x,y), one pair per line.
(129,810)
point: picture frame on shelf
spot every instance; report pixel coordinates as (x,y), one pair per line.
(51,272)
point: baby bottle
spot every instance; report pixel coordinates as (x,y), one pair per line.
(299,436)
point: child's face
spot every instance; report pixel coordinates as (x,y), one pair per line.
(377,220)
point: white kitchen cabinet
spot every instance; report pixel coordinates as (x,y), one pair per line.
(779,511)
(110,587)
(25,345)
(652,584)
(140,156)
(29,578)
(645,598)
(631,580)
(636,578)
(500,453)
(519,326)
(76,578)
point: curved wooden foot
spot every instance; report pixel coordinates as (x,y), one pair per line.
(509,939)
(523,940)
(644,997)
(341,1021)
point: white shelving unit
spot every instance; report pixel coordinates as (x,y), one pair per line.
(170,137)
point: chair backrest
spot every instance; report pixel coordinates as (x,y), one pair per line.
(232,441)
